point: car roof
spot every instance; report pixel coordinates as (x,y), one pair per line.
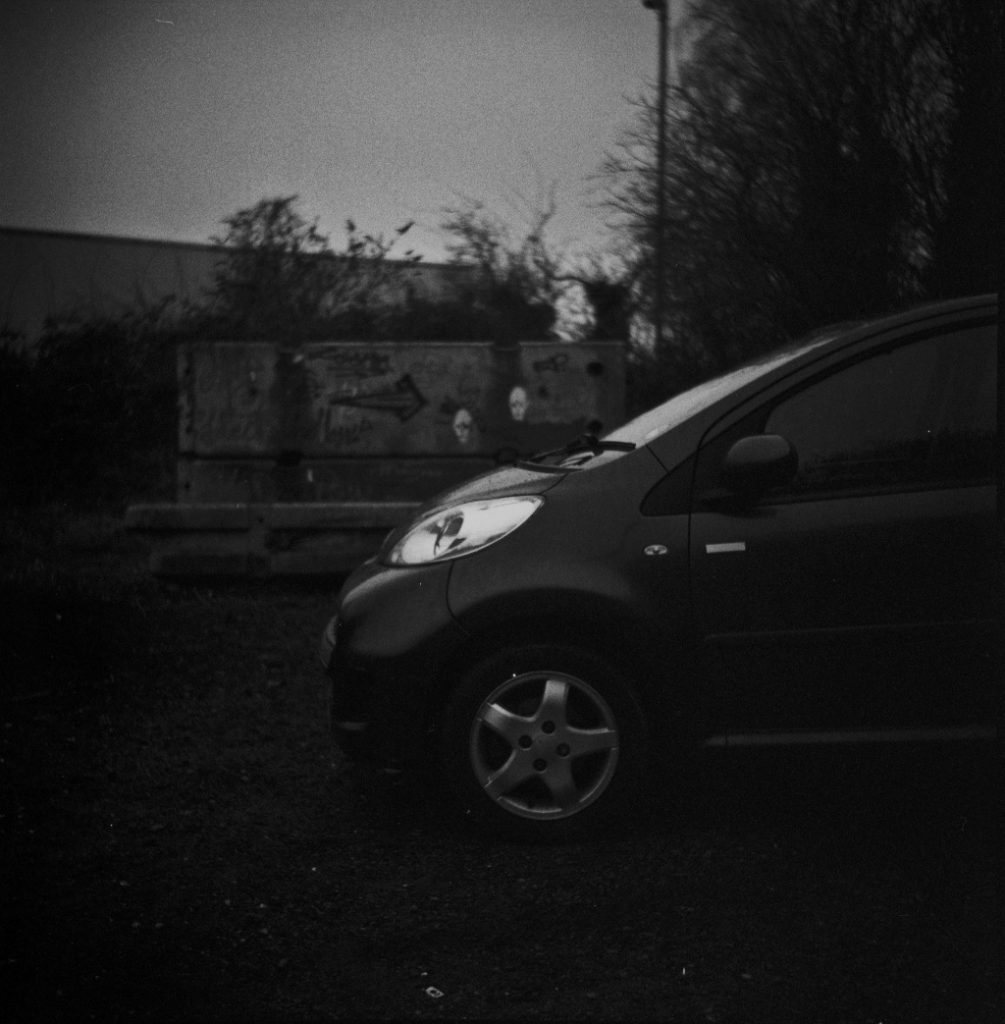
(926,310)
(751,379)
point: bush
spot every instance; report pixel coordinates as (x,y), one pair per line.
(17,441)
(89,417)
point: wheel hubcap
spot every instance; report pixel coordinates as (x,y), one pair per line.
(544,745)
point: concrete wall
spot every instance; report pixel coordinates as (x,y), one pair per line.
(385,421)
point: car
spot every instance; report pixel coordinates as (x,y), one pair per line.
(801,551)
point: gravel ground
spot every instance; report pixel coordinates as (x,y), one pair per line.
(182,842)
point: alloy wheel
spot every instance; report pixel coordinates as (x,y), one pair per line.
(544,745)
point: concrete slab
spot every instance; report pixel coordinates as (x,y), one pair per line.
(235,540)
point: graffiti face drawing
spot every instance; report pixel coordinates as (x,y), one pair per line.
(518,404)
(463,427)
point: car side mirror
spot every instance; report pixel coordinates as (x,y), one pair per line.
(755,464)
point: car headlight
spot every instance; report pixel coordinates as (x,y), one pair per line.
(461,529)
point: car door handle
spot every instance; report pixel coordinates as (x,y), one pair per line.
(732,547)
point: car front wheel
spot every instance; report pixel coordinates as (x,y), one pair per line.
(544,742)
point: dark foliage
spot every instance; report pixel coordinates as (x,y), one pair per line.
(16,388)
(968,234)
(89,416)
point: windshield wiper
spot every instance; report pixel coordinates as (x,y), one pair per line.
(585,443)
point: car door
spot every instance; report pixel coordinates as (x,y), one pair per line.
(856,599)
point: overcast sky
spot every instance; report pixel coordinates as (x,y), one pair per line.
(157,118)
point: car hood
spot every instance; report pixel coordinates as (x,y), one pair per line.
(499,483)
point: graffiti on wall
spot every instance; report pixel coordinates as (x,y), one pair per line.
(228,396)
(354,399)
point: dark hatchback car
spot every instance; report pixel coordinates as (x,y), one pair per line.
(802,551)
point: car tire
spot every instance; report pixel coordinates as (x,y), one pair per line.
(544,743)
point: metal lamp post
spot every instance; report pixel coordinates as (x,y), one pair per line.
(662,14)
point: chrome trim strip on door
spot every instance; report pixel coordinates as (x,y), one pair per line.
(723,549)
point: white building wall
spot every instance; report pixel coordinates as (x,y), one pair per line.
(49,274)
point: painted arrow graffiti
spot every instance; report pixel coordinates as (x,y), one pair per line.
(556,363)
(402,399)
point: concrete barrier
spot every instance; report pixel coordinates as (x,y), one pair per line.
(294,460)
(241,539)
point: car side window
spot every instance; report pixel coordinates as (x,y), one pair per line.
(921,415)
(918,416)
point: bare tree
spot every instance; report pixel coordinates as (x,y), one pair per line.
(806,173)
(516,270)
(524,280)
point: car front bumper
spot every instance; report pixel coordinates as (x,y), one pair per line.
(385,653)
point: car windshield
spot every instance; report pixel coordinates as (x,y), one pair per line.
(659,420)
